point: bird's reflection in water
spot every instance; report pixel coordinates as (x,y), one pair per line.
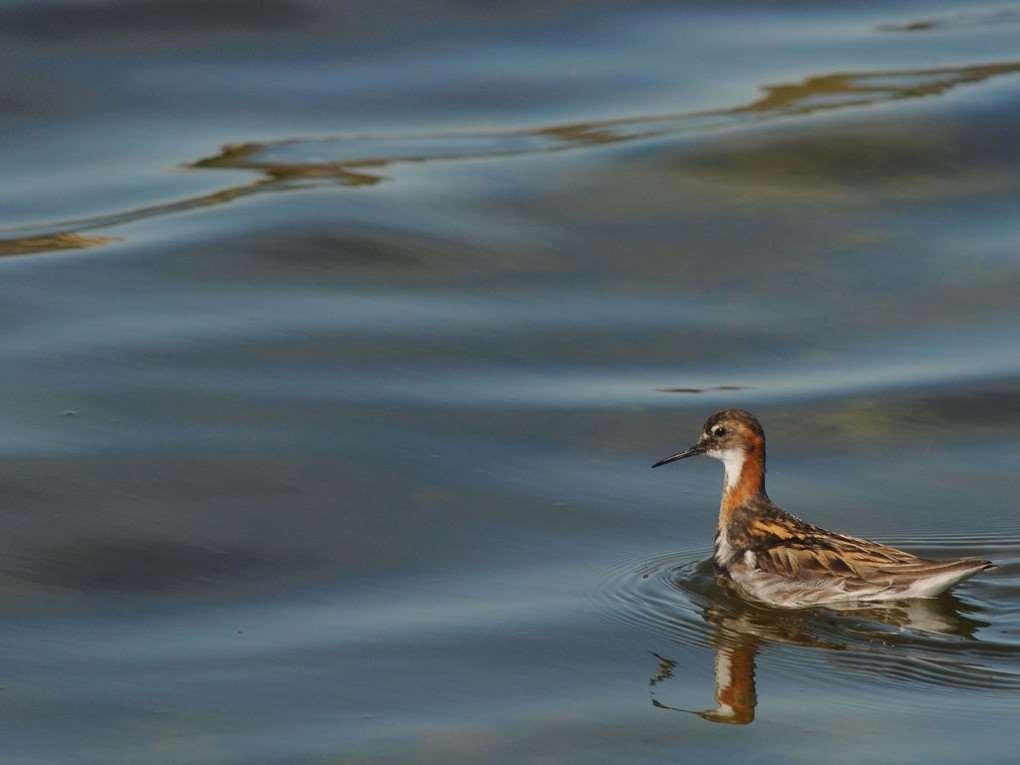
(735,694)
(740,631)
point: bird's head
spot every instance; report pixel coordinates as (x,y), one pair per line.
(728,435)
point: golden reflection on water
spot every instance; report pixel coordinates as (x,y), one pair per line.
(814,94)
(30,245)
(234,156)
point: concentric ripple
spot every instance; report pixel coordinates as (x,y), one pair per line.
(968,642)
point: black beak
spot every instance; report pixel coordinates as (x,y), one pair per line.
(692,452)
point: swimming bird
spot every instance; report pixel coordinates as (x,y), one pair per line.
(776,558)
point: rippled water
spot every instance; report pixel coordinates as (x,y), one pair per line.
(339,339)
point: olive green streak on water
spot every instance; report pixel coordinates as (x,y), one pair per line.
(963,20)
(369,154)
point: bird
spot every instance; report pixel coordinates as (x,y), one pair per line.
(773,557)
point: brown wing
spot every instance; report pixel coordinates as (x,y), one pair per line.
(806,552)
(792,548)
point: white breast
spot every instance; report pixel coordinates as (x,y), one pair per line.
(733,462)
(723,550)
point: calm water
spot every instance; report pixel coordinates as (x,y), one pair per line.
(339,339)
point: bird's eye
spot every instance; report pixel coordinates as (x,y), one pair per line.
(718,430)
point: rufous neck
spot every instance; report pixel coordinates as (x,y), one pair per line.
(744,478)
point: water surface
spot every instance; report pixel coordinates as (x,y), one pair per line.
(339,340)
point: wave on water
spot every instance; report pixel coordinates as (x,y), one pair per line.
(963,20)
(362,160)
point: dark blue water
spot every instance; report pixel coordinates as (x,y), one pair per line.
(338,339)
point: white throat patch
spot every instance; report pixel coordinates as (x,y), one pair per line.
(733,462)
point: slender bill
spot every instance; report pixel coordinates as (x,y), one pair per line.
(691,452)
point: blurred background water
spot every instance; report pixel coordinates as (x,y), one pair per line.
(338,339)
